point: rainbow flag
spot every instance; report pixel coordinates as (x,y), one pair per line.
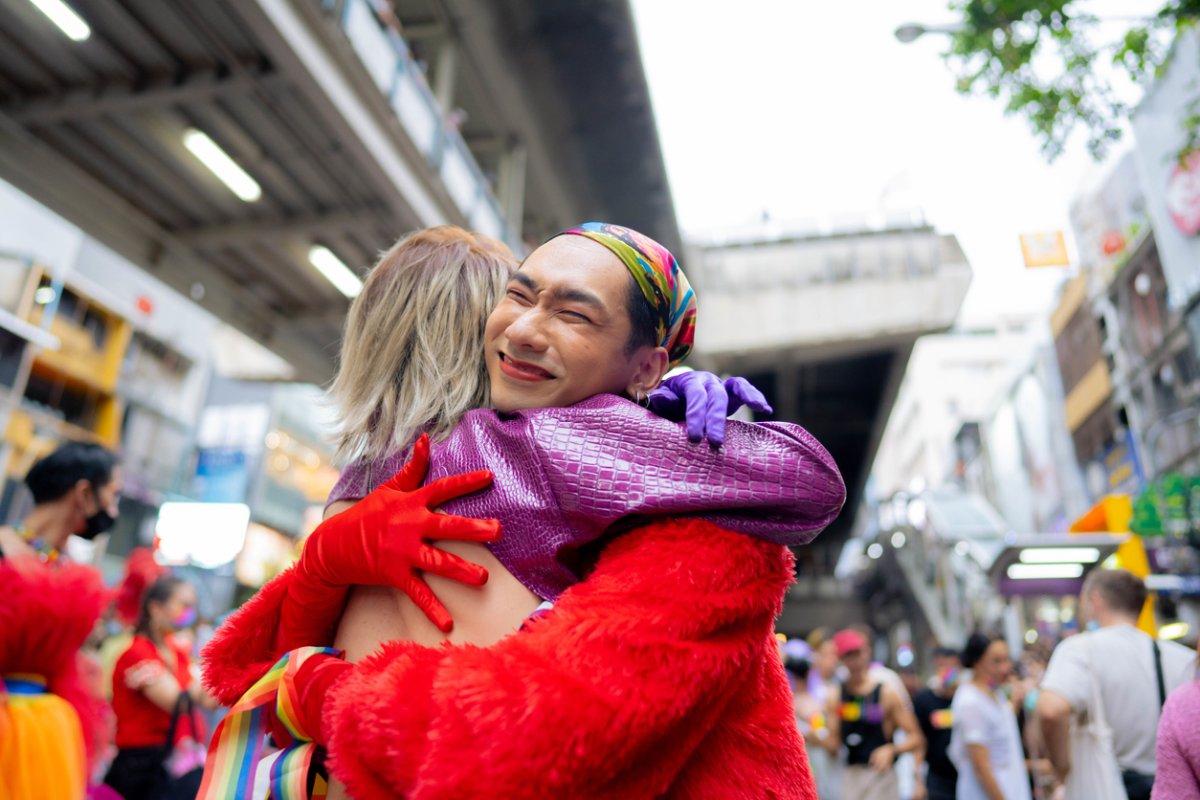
(942,720)
(237,746)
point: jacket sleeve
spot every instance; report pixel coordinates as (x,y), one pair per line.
(588,466)
(621,679)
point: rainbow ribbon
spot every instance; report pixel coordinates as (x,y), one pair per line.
(237,747)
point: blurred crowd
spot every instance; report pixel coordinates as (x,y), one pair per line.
(1079,719)
(100,686)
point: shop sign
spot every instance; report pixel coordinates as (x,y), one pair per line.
(1183,194)
(1045,249)
(222,475)
(1117,470)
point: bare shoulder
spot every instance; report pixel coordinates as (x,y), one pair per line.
(11,543)
(889,696)
(334,509)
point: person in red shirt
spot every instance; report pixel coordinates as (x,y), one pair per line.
(150,680)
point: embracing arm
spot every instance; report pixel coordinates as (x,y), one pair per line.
(606,459)
(250,641)
(630,669)
(380,541)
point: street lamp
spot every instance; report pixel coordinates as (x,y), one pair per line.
(911,31)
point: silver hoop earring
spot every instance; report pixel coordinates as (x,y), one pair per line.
(638,396)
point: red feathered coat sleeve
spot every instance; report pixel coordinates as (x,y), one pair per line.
(250,641)
(619,691)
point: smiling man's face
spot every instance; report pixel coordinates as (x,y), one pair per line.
(561,333)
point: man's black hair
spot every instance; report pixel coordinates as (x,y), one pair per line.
(946,652)
(644,330)
(56,474)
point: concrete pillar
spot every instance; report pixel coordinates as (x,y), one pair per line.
(446,78)
(510,186)
(787,403)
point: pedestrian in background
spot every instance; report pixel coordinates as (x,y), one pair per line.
(159,750)
(50,701)
(864,716)
(1119,667)
(1178,758)
(985,742)
(76,490)
(932,707)
(809,710)
(48,717)
(825,761)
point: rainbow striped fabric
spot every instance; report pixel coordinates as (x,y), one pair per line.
(942,720)
(237,747)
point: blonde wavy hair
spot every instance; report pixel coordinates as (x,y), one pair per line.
(412,351)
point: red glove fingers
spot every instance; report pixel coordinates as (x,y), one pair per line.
(423,597)
(382,541)
(413,473)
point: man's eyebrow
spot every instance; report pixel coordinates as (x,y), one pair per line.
(578,296)
(567,295)
(525,280)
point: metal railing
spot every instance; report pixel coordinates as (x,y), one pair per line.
(398,76)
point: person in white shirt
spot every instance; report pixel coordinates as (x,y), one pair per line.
(985,742)
(1126,664)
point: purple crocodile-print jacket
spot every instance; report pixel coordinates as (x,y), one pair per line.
(565,476)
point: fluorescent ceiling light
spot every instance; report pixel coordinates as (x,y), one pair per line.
(1060,555)
(221,165)
(65,18)
(336,272)
(1027,572)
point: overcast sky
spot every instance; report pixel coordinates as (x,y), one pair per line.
(810,110)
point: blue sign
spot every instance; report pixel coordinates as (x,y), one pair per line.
(222,475)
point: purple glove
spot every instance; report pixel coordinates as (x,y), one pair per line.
(704,401)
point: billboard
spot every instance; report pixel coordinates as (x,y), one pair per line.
(1045,249)
(1172,177)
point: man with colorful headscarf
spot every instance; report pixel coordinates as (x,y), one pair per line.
(657,674)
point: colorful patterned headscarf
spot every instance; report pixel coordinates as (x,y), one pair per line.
(659,277)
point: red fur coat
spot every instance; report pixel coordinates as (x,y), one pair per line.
(659,675)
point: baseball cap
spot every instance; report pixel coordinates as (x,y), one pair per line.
(849,640)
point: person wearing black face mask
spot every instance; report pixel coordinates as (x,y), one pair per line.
(76,490)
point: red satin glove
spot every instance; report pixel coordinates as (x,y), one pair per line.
(381,541)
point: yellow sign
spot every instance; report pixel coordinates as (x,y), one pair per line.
(1045,249)
(1112,515)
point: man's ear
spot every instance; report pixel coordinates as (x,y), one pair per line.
(652,365)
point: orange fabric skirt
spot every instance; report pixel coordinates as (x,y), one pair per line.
(41,749)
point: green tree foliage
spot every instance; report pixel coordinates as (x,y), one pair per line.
(1040,59)
(1169,505)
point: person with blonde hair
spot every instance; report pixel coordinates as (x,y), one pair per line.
(682,604)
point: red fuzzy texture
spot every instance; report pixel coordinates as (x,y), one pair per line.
(244,648)
(46,614)
(659,675)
